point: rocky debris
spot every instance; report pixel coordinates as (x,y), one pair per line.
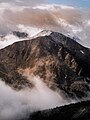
(55,58)
(79,88)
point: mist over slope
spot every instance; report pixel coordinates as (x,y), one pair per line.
(16,105)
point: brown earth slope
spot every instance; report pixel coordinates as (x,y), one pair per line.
(61,62)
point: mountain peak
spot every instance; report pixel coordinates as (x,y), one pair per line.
(60,61)
(43,33)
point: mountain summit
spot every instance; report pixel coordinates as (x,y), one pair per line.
(61,62)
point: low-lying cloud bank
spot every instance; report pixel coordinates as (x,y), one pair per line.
(65,19)
(15,105)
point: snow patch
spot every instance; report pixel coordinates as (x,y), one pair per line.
(31,31)
(43,33)
(82,52)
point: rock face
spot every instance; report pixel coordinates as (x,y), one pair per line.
(61,62)
(20,34)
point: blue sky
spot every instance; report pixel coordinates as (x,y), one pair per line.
(77,3)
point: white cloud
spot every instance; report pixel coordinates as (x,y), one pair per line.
(60,18)
(88,22)
(19,104)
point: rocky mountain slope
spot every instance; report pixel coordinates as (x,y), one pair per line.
(60,61)
(78,111)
